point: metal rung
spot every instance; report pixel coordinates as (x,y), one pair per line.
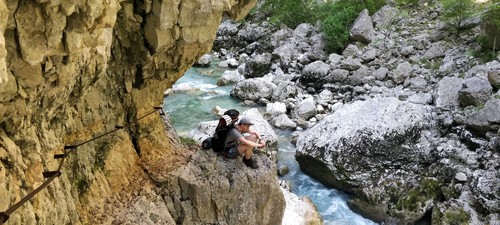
(48,174)
(67,147)
(3,217)
(59,156)
(161,110)
(119,127)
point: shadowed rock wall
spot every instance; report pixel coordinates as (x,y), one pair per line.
(72,70)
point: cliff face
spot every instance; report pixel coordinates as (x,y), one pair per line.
(73,70)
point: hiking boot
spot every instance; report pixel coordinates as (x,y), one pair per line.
(251,163)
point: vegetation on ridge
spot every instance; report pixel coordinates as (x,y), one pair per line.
(337,17)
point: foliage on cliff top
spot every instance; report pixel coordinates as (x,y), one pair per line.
(336,17)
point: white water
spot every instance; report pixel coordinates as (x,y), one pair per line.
(196,94)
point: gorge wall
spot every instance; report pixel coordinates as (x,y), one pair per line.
(72,70)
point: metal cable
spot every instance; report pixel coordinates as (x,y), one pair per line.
(51,175)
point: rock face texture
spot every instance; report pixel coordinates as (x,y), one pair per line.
(349,148)
(73,70)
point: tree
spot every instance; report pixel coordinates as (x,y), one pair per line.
(457,11)
(491,25)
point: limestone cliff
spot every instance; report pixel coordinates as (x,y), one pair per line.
(73,70)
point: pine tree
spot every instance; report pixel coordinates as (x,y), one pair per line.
(457,11)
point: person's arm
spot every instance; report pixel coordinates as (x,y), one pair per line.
(251,143)
(258,137)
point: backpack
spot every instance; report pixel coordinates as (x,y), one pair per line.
(218,139)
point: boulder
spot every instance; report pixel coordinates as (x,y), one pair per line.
(384,16)
(350,64)
(303,30)
(481,120)
(285,90)
(485,187)
(204,61)
(251,32)
(401,72)
(254,89)
(357,77)
(334,60)
(362,29)
(494,73)
(325,97)
(231,63)
(287,53)
(230,76)
(305,109)
(275,109)
(437,50)
(258,66)
(208,187)
(381,73)
(447,92)
(282,121)
(337,75)
(475,92)
(300,210)
(368,142)
(313,73)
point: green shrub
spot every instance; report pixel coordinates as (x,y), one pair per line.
(290,12)
(337,25)
(336,16)
(339,17)
(406,2)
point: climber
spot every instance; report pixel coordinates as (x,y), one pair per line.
(236,144)
(226,123)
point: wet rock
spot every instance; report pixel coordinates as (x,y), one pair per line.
(283,170)
(204,61)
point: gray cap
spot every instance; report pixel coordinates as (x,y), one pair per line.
(246,120)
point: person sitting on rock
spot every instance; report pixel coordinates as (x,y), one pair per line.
(236,144)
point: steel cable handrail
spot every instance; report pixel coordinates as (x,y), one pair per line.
(51,175)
